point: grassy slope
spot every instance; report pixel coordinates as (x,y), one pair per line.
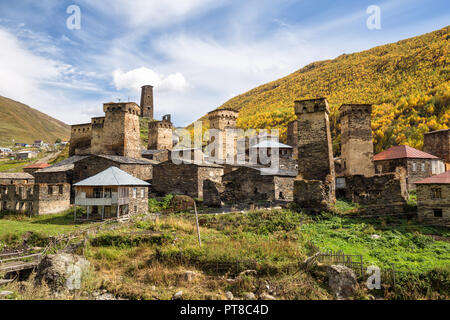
(404,80)
(25,124)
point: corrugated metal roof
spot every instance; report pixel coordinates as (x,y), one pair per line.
(443,178)
(112,176)
(401,152)
(269,144)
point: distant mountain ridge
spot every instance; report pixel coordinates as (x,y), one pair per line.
(25,124)
(408,82)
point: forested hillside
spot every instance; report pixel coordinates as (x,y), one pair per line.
(408,83)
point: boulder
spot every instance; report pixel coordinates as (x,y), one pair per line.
(189,276)
(229,295)
(62,271)
(178,296)
(342,280)
(266,296)
(249,296)
(182,203)
(4,294)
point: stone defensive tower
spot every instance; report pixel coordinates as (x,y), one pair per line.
(437,143)
(292,137)
(314,187)
(147,106)
(356,139)
(117,133)
(160,134)
(223,120)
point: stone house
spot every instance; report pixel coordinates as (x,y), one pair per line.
(23,155)
(433,199)
(185,178)
(17,178)
(247,184)
(438,143)
(35,199)
(112,193)
(93,164)
(5,152)
(418,164)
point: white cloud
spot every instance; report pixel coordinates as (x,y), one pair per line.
(134,79)
(38,81)
(153,13)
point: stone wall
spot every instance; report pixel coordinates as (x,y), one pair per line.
(223,120)
(160,135)
(117,133)
(185,178)
(437,143)
(292,138)
(138,204)
(416,169)
(356,139)
(80,139)
(383,194)
(50,199)
(248,185)
(38,199)
(92,165)
(430,207)
(314,187)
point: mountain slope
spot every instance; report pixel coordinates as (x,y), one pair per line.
(408,82)
(25,124)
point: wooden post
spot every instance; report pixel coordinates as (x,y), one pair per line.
(198,227)
(87,209)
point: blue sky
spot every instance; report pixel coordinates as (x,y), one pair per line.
(197,53)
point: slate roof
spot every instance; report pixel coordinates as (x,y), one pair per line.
(401,152)
(443,178)
(15,175)
(112,176)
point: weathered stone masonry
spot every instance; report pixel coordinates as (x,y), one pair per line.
(314,187)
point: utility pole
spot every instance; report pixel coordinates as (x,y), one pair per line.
(196,222)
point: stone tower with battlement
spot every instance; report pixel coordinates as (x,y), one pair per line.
(356,139)
(147,106)
(160,134)
(314,187)
(223,120)
(117,133)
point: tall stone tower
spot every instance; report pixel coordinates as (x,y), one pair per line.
(118,132)
(224,120)
(314,187)
(437,143)
(147,102)
(292,137)
(160,134)
(356,139)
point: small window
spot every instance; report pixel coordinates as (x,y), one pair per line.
(423,167)
(142,193)
(135,209)
(61,189)
(134,192)
(437,213)
(50,190)
(414,167)
(436,193)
